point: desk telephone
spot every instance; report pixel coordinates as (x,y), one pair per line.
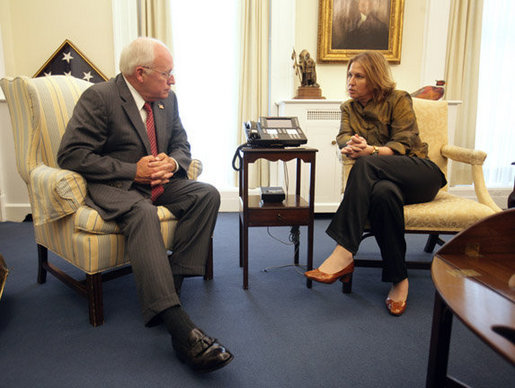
(271,132)
(274,132)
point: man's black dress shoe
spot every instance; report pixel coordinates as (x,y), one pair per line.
(202,353)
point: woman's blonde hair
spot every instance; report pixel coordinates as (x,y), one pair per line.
(377,73)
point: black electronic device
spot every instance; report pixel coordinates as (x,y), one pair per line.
(275,132)
(272,194)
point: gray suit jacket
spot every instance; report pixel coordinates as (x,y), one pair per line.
(106,137)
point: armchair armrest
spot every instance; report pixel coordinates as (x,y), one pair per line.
(475,158)
(55,193)
(195,169)
(465,155)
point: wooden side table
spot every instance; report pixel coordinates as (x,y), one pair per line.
(474,277)
(294,211)
(3,274)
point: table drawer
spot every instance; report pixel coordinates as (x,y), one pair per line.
(274,217)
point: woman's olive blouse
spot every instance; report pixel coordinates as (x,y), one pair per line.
(390,123)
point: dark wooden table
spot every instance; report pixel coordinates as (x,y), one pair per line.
(474,276)
(3,274)
(294,211)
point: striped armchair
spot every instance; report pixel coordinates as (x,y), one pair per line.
(40,109)
(447,213)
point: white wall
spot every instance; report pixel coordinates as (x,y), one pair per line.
(408,74)
(32,30)
(2,164)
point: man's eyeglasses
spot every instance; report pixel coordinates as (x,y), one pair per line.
(165,74)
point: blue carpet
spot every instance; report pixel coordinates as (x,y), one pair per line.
(282,334)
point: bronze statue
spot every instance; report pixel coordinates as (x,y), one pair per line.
(305,68)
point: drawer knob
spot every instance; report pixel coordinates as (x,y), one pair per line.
(333,142)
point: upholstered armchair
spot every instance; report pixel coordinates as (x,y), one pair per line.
(40,109)
(447,213)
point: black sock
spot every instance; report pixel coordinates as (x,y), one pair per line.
(178,323)
(177,281)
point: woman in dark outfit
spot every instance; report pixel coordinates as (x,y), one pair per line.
(379,130)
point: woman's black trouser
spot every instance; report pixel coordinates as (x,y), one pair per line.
(377,189)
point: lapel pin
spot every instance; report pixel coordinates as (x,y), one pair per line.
(160,106)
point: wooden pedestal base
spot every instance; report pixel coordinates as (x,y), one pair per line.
(309,92)
(3,274)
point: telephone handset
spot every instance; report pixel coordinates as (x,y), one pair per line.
(275,132)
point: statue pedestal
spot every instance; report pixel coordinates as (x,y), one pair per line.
(309,92)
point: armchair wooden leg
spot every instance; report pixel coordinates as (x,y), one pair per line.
(432,240)
(42,263)
(208,275)
(95,299)
(347,285)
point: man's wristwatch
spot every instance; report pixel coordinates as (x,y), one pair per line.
(375,151)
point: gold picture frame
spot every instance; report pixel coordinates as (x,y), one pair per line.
(344,30)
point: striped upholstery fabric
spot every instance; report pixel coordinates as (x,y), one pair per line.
(195,169)
(88,220)
(56,192)
(55,98)
(40,109)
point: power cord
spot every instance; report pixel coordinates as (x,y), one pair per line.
(294,239)
(237,156)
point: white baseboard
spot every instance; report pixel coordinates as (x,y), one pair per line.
(15,212)
(230,199)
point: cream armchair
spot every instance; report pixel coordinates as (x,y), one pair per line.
(40,109)
(447,213)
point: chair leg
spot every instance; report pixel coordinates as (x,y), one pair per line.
(208,275)
(347,284)
(95,299)
(432,240)
(42,263)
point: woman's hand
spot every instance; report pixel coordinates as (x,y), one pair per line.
(357,146)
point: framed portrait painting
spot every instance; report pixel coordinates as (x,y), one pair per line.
(347,27)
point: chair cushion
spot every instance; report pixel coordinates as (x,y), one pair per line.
(87,219)
(460,213)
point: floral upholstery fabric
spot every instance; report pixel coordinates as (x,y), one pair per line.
(459,213)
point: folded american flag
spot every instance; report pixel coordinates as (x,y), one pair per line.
(68,60)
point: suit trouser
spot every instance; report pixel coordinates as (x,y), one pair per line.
(196,206)
(377,189)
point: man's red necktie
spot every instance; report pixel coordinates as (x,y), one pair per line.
(151,132)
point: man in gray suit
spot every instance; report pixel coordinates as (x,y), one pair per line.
(126,139)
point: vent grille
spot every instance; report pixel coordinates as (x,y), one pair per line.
(315,114)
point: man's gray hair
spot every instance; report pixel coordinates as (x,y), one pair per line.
(140,52)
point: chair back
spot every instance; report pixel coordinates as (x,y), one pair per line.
(432,124)
(40,109)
